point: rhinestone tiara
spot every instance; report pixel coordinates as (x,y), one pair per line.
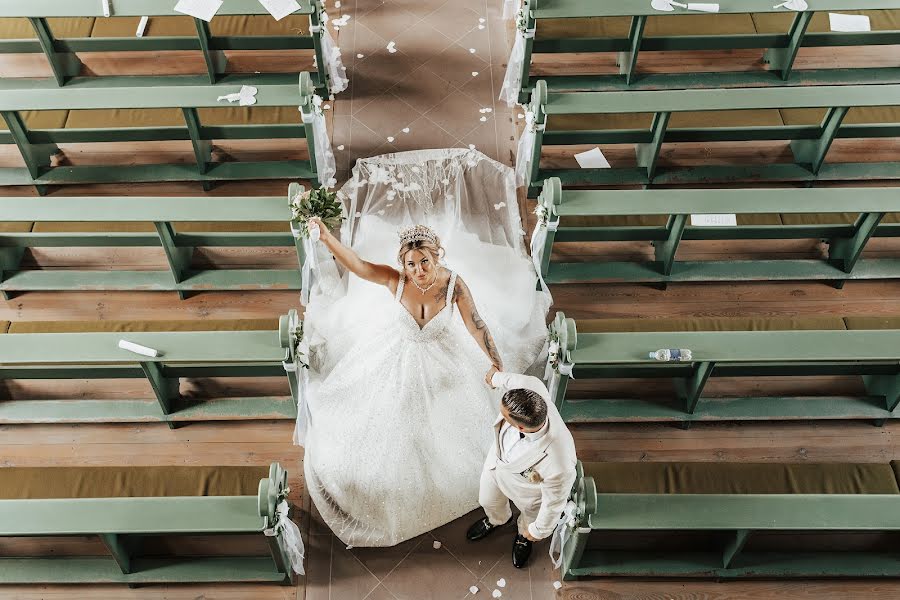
(417,233)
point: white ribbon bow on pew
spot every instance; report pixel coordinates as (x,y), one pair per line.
(525,149)
(310,261)
(512,81)
(564,527)
(334,65)
(293,543)
(538,240)
(325,163)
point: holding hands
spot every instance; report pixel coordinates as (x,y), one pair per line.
(490,375)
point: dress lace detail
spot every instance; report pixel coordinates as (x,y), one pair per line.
(400,428)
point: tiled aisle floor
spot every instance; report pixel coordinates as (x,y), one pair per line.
(437,90)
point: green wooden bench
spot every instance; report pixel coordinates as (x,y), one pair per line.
(810,142)
(628,28)
(847,218)
(187,93)
(62,51)
(145,534)
(731,521)
(187,349)
(789,349)
(178,225)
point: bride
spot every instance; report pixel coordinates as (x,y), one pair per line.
(397,397)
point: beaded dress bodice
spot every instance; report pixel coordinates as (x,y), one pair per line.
(436,326)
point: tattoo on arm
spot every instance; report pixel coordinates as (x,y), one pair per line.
(489,346)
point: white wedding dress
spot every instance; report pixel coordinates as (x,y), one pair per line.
(396,419)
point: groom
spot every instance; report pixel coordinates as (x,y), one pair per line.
(532,463)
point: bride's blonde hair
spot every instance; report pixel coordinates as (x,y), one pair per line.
(434,249)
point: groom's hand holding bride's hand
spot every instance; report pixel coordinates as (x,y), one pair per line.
(489,376)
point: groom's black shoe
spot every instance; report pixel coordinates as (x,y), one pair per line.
(481,529)
(521,551)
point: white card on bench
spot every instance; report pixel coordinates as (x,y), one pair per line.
(839,22)
(201,9)
(592,159)
(720,220)
(280,8)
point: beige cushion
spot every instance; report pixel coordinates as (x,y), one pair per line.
(173,117)
(883,20)
(224,25)
(67,27)
(139,227)
(719,118)
(618,27)
(741,478)
(658,220)
(40,119)
(121,482)
(132,326)
(4,326)
(855,116)
(15,227)
(872,322)
(831,218)
(710,324)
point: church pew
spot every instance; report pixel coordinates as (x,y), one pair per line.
(178,225)
(238,25)
(847,218)
(189,351)
(761,349)
(147,519)
(628,28)
(733,521)
(189,94)
(711,116)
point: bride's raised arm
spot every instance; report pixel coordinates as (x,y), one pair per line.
(477,327)
(381,274)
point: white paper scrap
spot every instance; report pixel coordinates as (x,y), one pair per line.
(474,73)
(204,10)
(557,585)
(841,22)
(718,220)
(483,119)
(798,5)
(592,159)
(142,27)
(390,138)
(703,7)
(280,8)
(138,349)
(245,97)
(471,50)
(360,56)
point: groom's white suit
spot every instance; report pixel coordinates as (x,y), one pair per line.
(539,480)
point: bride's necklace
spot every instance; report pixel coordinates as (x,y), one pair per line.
(423,290)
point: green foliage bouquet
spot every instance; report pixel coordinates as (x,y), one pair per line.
(322,203)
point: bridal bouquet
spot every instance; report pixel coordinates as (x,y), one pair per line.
(321,203)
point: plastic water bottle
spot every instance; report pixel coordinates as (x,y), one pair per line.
(671,355)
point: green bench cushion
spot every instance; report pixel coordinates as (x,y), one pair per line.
(882,20)
(618,27)
(719,118)
(132,326)
(710,324)
(872,322)
(658,220)
(741,478)
(173,117)
(143,227)
(61,27)
(830,218)
(19,483)
(222,25)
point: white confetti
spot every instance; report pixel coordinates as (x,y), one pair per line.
(496,593)
(445,181)
(390,138)
(520,116)
(498,206)
(405,130)
(483,119)
(473,589)
(471,50)
(337,4)
(341,147)
(482,20)
(481,27)
(471,146)
(474,73)
(557,585)
(326,107)
(436,544)
(360,56)
(392,46)
(489,110)
(342,21)
(501,582)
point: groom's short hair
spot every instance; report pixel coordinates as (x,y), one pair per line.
(525,407)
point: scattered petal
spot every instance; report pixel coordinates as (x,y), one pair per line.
(557,585)
(501,582)
(481,27)
(474,73)
(392,46)
(520,116)
(360,56)
(489,110)
(483,119)
(341,147)
(498,206)
(471,146)
(337,4)
(436,544)
(496,593)
(326,107)
(342,21)
(481,20)
(405,130)
(471,50)
(473,589)
(390,138)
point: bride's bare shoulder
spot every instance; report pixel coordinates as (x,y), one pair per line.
(394,280)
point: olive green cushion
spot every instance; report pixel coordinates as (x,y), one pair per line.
(4,326)
(710,324)
(173,117)
(142,227)
(881,20)
(618,27)
(830,218)
(872,322)
(120,482)
(40,119)
(657,221)
(895,464)
(132,326)
(855,116)
(66,27)
(224,25)
(719,118)
(15,227)
(741,478)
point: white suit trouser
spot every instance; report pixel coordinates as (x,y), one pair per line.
(498,488)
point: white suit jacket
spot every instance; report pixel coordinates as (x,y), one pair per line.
(552,459)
